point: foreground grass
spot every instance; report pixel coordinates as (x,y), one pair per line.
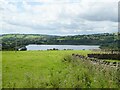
(0,69)
(47,69)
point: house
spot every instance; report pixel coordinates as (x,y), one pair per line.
(22,49)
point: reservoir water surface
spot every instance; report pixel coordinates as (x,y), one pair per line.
(61,47)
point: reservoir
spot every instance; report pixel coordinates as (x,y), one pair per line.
(61,47)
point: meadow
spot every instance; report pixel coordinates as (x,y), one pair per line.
(55,69)
(0,69)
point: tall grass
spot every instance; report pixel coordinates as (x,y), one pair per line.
(89,75)
(0,69)
(57,70)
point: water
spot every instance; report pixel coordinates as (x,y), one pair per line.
(61,47)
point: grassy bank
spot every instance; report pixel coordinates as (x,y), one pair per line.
(48,69)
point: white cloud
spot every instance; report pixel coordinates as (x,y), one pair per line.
(59,16)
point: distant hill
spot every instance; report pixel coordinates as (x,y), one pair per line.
(14,41)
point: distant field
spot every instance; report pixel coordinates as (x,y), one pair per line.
(47,69)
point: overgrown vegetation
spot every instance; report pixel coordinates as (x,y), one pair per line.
(91,75)
(55,69)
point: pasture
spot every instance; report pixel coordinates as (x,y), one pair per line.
(0,69)
(54,69)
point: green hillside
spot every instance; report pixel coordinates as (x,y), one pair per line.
(105,40)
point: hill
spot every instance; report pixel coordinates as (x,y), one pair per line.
(14,41)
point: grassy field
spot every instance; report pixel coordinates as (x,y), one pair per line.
(0,69)
(47,69)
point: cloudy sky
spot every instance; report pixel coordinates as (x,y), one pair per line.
(58,17)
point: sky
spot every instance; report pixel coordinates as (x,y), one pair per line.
(58,17)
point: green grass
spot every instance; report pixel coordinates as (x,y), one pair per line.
(0,69)
(18,66)
(47,69)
